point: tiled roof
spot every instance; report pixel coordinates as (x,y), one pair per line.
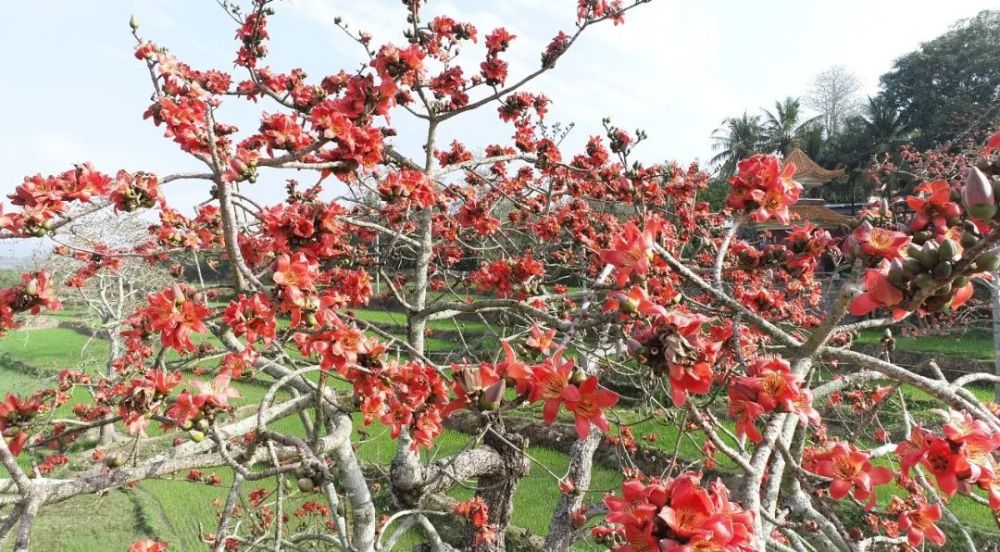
(805,167)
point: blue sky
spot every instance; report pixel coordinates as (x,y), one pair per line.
(675,69)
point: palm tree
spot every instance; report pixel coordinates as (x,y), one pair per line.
(737,139)
(783,129)
(812,140)
(883,124)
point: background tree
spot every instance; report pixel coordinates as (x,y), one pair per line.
(95,270)
(834,94)
(784,127)
(883,129)
(737,138)
(948,90)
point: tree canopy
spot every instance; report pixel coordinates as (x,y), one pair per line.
(949,88)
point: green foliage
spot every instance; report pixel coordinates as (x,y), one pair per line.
(784,127)
(737,139)
(949,88)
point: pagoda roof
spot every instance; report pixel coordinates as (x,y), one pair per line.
(807,168)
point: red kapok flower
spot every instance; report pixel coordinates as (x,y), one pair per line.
(919,524)
(879,242)
(851,470)
(935,209)
(938,455)
(588,402)
(148,546)
(551,379)
(879,292)
(992,143)
(632,251)
(763,188)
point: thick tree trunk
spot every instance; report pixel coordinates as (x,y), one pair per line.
(107,435)
(497,489)
(581,467)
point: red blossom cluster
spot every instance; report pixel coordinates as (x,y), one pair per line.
(918,520)
(555,381)
(631,253)
(42,199)
(176,230)
(295,278)
(407,187)
(309,227)
(15,412)
(850,469)
(476,511)
(509,277)
(494,69)
(763,188)
(208,399)
(928,269)
(589,10)
(679,346)
(963,457)
(51,463)
(402,395)
(175,312)
(148,546)
(32,295)
(676,515)
(769,386)
(139,398)
(252,317)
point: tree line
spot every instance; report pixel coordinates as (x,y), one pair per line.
(943,95)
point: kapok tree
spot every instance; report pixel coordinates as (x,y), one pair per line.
(586,270)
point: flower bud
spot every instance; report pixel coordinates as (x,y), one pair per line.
(633,346)
(133,23)
(306,485)
(896,275)
(925,280)
(942,270)
(977,195)
(948,250)
(114,460)
(911,267)
(929,255)
(988,262)
(179,295)
(627,304)
(490,399)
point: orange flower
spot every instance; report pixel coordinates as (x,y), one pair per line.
(878,293)
(588,403)
(851,470)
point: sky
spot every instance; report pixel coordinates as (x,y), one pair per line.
(675,69)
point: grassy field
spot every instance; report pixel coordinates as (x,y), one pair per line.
(975,344)
(171,508)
